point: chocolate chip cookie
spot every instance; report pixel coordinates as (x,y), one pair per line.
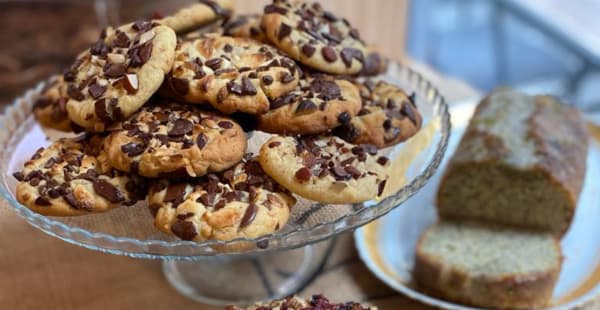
(50,108)
(245,26)
(388,116)
(118,74)
(175,141)
(240,202)
(72,177)
(314,37)
(232,74)
(325,169)
(198,15)
(319,103)
(317,302)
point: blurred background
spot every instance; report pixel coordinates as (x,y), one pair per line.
(543,46)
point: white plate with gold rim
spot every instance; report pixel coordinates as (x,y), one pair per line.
(387,246)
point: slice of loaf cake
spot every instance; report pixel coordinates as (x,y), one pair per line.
(487,266)
(521,162)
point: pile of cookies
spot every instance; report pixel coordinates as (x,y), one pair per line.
(166,107)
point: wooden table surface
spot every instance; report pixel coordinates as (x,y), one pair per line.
(38,271)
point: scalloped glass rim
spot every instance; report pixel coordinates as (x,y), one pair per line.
(19,112)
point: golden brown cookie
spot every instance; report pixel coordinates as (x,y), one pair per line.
(50,108)
(174,140)
(198,15)
(245,26)
(325,169)
(118,74)
(318,104)
(316,302)
(72,177)
(232,74)
(388,116)
(240,202)
(314,37)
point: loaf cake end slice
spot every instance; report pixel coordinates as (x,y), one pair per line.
(490,267)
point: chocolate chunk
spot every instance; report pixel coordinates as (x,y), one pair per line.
(225,124)
(372,65)
(19,176)
(75,93)
(121,40)
(286,78)
(281,101)
(308,50)
(303,175)
(217,9)
(306,106)
(184,230)
(408,111)
(234,88)
(272,8)
(108,191)
(354,34)
(284,31)
(344,117)
(382,160)
(247,87)
(274,144)
(329,16)
(227,48)
(179,86)
(327,90)
(99,48)
(96,90)
(214,63)
(329,54)
(207,199)
(140,54)
(249,215)
(333,37)
(70,199)
(201,140)
(354,172)
(339,172)
(348,54)
(263,244)
(181,127)
(133,149)
(175,194)
(267,79)
(220,205)
(381,187)
(114,71)
(41,201)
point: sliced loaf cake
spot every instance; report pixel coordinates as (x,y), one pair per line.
(487,266)
(521,162)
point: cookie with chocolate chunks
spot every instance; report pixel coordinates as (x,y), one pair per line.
(50,109)
(231,74)
(388,116)
(175,141)
(316,302)
(314,36)
(118,74)
(325,169)
(245,26)
(198,15)
(319,103)
(72,177)
(239,202)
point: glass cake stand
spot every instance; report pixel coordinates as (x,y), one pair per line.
(241,270)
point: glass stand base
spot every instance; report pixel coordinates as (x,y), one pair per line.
(227,280)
